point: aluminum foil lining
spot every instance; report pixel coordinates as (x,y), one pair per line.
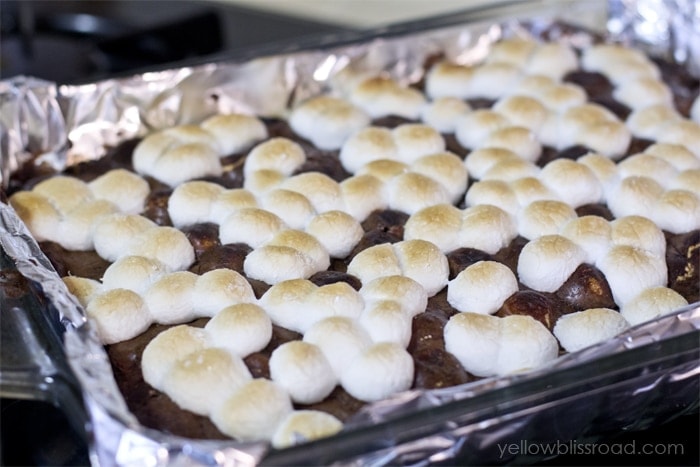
(66,124)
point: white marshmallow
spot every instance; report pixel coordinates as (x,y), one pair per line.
(574,183)
(253,412)
(119,315)
(337,231)
(582,329)
(165,244)
(604,169)
(553,59)
(493,80)
(336,299)
(447,79)
(442,113)
(527,190)
(634,196)
(252,226)
(301,426)
(386,321)
(495,192)
(592,233)
(135,273)
(401,289)
(260,181)
(599,57)
(415,140)
(520,140)
(638,232)
(482,287)
(687,180)
(235,133)
(327,121)
(649,122)
(522,111)
(630,270)
(423,262)
(510,170)
(64,192)
(341,340)
(362,194)
(202,380)
(546,217)
(123,188)
(170,299)
(545,263)
(410,192)
(231,200)
(382,96)
(185,162)
(646,165)
(75,231)
(38,213)
(695,110)
(677,211)
(643,92)
(191,202)
(168,347)
(280,154)
(608,138)
(472,128)
(113,235)
(486,228)
(284,300)
(446,168)
(439,224)
(293,208)
(274,263)
(526,344)
(378,372)
(651,303)
(242,328)
(303,371)
(366,145)
(322,191)
(82,288)
(155,145)
(481,160)
(220,288)
(675,154)
(684,132)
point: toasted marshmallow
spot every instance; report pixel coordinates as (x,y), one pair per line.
(638,232)
(150,148)
(168,347)
(192,202)
(220,288)
(582,329)
(382,96)
(75,231)
(280,154)
(684,132)
(695,110)
(687,180)
(447,79)
(592,233)
(38,213)
(64,192)
(283,301)
(482,287)
(495,192)
(545,217)
(480,161)
(185,162)
(486,228)
(630,270)
(545,263)
(634,196)
(123,188)
(378,372)
(677,211)
(448,169)
(487,345)
(328,121)
(305,243)
(514,50)
(643,92)
(231,200)
(301,426)
(341,339)
(604,169)
(675,154)
(367,145)
(260,181)
(520,140)
(471,129)
(165,244)
(510,170)
(649,122)
(337,231)
(415,140)
(376,261)
(275,263)
(527,190)
(336,299)
(493,80)
(170,299)
(82,288)
(292,207)
(646,165)
(522,111)
(119,315)
(135,273)
(202,380)
(574,183)
(553,59)
(362,194)
(401,289)
(534,85)
(114,233)
(439,224)
(562,96)
(384,169)
(608,138)
(386,321)
(442,113)
(254,411)
(235,133)
(651,303)
(599,57)
(252,226)
(243,328)
(322,191)
(303,371)
(410,192)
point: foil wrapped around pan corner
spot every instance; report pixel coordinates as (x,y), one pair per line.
(651,369)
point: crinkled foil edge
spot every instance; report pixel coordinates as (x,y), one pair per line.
(66,124)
